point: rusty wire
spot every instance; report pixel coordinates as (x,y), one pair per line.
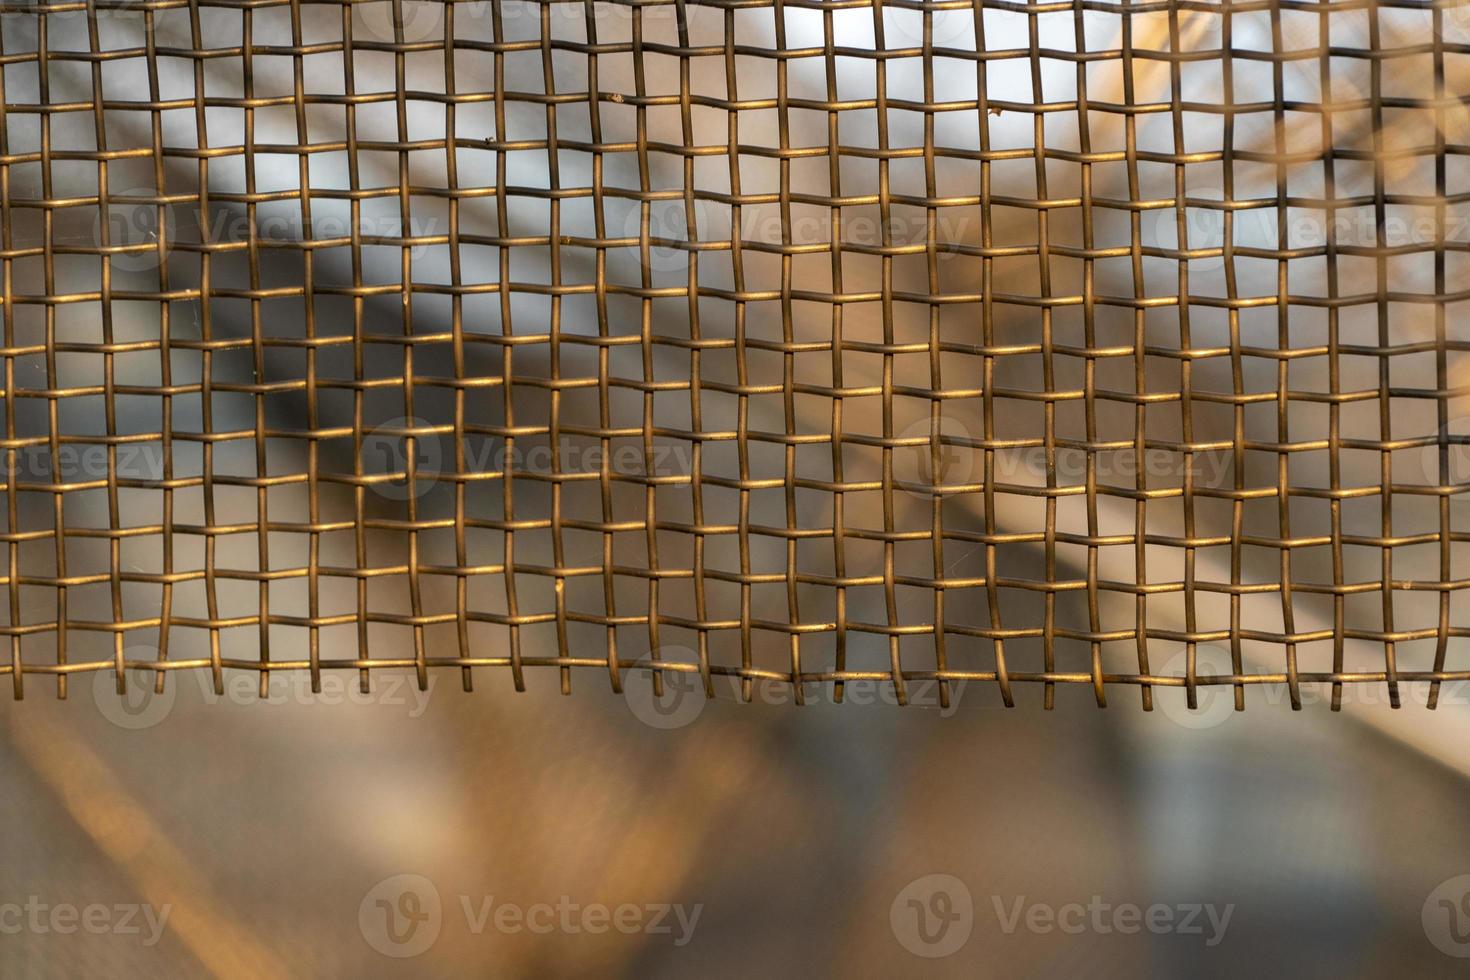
(821,487)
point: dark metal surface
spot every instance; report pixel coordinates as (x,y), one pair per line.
(687,338)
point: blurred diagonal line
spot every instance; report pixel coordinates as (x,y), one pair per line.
(122,829)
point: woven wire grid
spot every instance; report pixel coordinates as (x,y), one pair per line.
(795,343)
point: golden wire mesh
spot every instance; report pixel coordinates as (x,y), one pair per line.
(768,342)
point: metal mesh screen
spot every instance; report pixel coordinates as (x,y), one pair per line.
(742,342)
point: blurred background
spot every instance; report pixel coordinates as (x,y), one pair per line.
(267,825)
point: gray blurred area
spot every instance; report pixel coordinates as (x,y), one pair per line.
(266,824)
